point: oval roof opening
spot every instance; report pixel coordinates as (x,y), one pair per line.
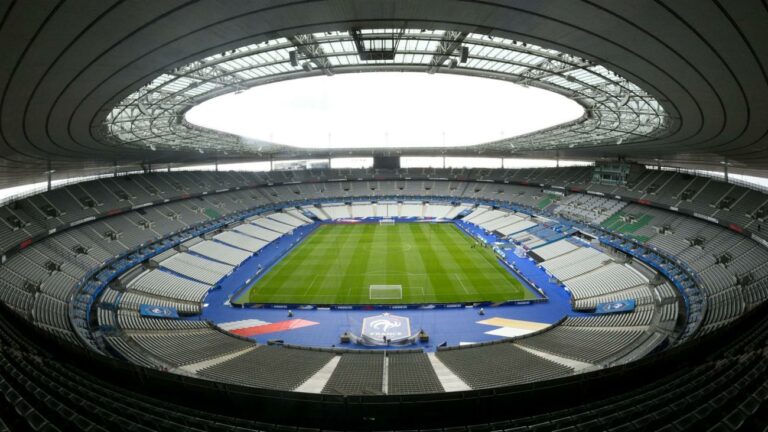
(385,110)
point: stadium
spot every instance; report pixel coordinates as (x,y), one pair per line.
(306,215)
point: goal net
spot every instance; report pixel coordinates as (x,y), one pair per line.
(386,221)
(385,292)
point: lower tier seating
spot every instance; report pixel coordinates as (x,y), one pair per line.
(500,364)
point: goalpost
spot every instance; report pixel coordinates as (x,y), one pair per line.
(385,292)
(386,221)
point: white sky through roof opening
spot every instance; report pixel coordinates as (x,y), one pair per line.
(385,109)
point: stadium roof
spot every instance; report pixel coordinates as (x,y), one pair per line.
(90,84)
(618,110)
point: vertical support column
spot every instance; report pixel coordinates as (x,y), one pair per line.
(114,169)
(50,174)
(216,165)
(272,164)
(725,170)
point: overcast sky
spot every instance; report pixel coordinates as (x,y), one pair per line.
(385,109)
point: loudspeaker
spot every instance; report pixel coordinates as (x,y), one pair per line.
(294,60)
(464,54)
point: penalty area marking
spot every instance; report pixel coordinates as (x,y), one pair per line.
(385,292)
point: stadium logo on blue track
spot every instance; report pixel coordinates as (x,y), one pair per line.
(158,311)
(616,306)
(392,326)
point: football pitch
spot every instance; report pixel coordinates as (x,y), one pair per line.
(406,263)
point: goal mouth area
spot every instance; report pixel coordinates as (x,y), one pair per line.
(385,292)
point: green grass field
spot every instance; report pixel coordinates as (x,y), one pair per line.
(432,263)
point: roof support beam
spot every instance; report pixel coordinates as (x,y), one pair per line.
(308,46)
(548,67)
(209,73)
(450,42)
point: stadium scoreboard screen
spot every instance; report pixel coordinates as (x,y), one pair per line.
(386,162)
(617,173)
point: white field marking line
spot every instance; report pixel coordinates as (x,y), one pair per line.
(302,295)
(461,283)
(384,272)
(311,284)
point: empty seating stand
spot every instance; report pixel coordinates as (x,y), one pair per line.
(190,346)
(200,269)
(499,364)
(583,344)
(40,292)
(358,374)
(241,241)
(411,373)
(220,252)
(272,367)
(164,284)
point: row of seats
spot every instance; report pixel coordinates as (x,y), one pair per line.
(588,208)
(185,347)
(584,344)
(197,268)
(724,391)
(164,284)
(272,367)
